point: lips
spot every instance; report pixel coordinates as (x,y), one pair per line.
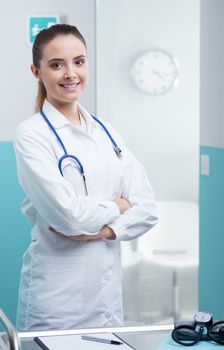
(70,86)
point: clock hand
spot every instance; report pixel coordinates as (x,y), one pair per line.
(158,74)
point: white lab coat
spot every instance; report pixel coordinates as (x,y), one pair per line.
(69,284)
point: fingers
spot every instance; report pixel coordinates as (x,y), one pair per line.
(107,232)
(52,229)
(85,238)
(123,204)
(81,237)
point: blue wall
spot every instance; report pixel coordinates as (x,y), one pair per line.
(211,279)
(15,231)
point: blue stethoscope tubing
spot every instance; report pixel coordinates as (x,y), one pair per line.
(67,155)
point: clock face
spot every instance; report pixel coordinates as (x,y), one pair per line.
(155,72)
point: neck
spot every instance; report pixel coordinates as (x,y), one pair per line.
(69,110)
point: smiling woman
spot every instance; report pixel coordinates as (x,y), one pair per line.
(60,64)
(71,275)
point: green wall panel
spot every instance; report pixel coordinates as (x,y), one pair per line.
(211,281)
(15,231)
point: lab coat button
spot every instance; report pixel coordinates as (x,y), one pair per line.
(108,314)
(107,277)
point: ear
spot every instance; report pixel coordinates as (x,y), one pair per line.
(35,71)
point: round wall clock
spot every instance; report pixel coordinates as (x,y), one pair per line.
(155,72)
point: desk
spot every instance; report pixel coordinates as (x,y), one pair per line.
(150,339)
(141,338)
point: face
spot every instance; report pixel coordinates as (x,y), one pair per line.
(63,69)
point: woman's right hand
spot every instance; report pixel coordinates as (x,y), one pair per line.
(123,204)
(82,237)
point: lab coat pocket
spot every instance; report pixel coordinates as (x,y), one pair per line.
(56,286)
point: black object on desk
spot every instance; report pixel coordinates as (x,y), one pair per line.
(202,327)
(39,342)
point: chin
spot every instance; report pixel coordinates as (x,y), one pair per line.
(68,99)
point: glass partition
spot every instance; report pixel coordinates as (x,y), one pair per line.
(147,66)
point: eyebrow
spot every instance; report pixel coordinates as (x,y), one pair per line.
(61,59)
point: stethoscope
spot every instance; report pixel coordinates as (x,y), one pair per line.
(202,327)
(71,156)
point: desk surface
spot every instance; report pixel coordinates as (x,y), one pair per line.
(153,340)
(139,340)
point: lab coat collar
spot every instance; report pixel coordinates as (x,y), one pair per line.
(58,120)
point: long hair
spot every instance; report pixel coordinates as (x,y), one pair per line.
(43,38)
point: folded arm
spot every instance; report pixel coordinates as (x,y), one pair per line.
(51,194)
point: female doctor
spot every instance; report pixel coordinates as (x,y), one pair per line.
(86,193)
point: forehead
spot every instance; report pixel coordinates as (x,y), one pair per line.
(63,46)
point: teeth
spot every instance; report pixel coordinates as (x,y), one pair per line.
(69,85)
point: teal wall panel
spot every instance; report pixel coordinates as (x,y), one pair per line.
(15,231)
(211,281)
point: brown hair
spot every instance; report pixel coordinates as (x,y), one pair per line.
(43,38)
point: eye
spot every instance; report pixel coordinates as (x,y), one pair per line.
(56,65)
(80,61)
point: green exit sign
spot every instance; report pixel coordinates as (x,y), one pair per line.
(37,23)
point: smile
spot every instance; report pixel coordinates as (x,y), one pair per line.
(70,87)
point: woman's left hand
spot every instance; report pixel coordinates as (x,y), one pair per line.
(107,232)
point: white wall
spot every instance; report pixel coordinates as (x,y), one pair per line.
(212,73)
(18,87)
(162,131)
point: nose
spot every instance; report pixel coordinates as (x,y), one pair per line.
(69,76)
(70,73)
